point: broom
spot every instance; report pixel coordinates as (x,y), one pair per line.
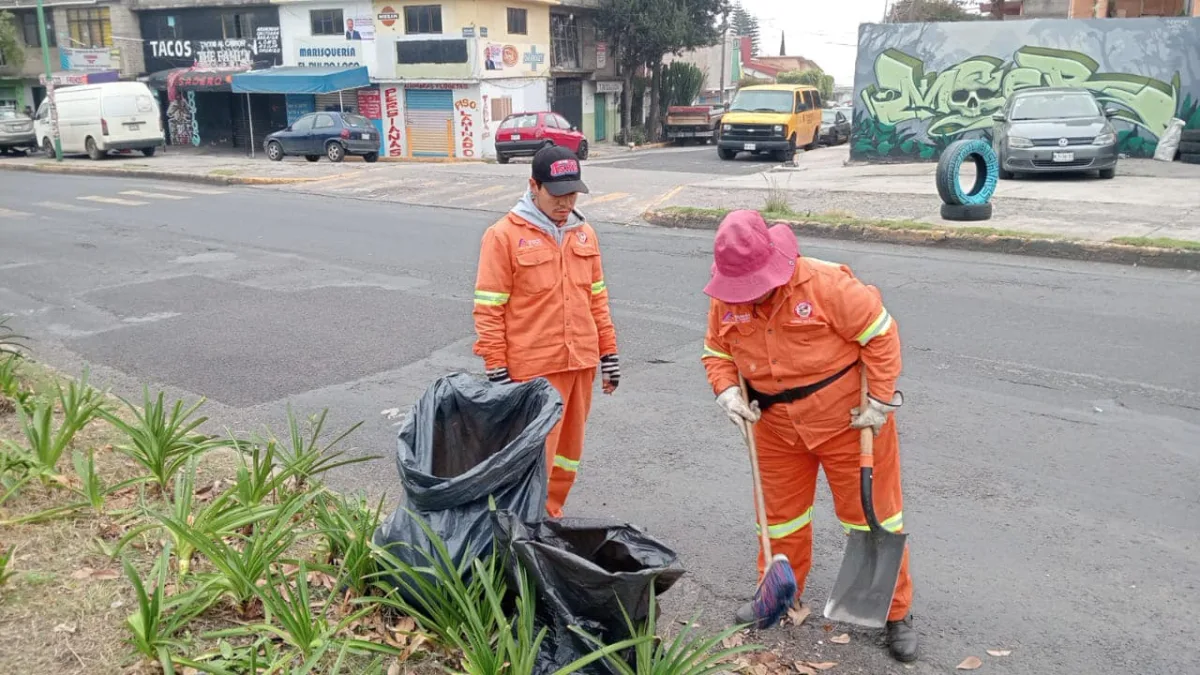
(777,590)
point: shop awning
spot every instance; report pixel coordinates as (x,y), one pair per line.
(297,80)
(192,79)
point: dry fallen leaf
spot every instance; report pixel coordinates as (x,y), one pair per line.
(999,652)
(843,639)
(65,628)
(798,614)
(735,640)
(823,665)
(828,628)
(970,663)
(95,575)
(394,669)
(804,669)
(417,641)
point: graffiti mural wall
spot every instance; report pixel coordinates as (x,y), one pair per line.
(918,87)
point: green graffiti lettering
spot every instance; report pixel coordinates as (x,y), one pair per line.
(964,97)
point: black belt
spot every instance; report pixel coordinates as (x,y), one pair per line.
(796,393)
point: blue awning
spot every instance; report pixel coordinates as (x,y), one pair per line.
(297,80)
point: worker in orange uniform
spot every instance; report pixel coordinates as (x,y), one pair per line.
(799,330)
(541,307)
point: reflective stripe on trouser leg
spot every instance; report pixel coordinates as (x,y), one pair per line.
(789,482)
(839,457)
(564,445)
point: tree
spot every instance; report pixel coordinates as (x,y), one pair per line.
(782,43)
(12,48)
(647,30)
(682,83)
(746,25)
(813,77)
(919,11)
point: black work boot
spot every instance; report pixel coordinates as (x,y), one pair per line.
(745,614)
(902,640)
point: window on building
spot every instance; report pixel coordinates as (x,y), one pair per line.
(564,41)
(30,33)
(238,26)
(409,52)
(167,27)
(326,21)
(501,108)
(423,19)
(518,21)
(90,27)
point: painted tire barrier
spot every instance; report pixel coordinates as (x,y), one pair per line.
(966,212)
(987,168)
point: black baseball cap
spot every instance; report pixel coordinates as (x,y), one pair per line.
(558,169)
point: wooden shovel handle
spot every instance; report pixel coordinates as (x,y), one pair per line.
(764,535)
(866,438)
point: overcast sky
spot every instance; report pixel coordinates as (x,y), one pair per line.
(825,32)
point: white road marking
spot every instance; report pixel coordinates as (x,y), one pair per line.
(7,213)
(62,206)
(152,195)
(112,200)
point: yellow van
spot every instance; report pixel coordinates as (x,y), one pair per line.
(776,118)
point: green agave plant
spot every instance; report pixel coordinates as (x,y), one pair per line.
(159,619)
(348,524)
(161,439)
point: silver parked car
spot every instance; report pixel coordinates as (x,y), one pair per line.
(1054,130)
(16,132)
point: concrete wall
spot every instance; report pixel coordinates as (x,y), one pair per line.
(299,44)
(917,87)
(1035,9)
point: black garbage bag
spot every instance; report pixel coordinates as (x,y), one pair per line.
(584,571)
(467,441)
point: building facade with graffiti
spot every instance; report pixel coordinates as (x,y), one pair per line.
(920,86)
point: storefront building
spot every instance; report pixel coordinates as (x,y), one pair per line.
(585,87)
(87,42)
(191,54)
(450,73)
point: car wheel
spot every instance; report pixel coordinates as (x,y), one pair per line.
(313,158)
(335,152)
(1108,173)
(47,146)
(501,158)
(274,151)
(966,212)
(93,151)
(371,157)
(582,152)
(726,154)
(149,152)
(1005,175)
(788,153)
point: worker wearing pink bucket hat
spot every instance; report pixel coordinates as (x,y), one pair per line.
(801,331)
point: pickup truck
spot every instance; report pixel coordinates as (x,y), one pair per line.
(686,122)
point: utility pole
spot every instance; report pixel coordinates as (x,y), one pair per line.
(724,56)
(41,14)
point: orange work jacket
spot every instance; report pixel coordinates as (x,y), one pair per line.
(817,324)
(541,308)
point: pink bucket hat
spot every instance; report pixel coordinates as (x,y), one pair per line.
(749,259)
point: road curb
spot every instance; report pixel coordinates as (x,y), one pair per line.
(162,175)
(1089,251)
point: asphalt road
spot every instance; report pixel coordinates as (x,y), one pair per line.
(698,159)
(1048,437)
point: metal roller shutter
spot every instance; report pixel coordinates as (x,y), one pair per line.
(429,116)
(330,101)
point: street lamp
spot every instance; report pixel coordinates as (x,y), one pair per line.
(41,14)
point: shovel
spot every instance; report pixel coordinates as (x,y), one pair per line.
(866,582)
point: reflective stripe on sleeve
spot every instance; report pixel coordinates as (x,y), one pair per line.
(709,352)
(491,299)
(878,327)
(599,287)
(781,530)
(893,524)
(566,464)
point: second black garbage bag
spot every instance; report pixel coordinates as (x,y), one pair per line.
(464,442)
(584,571)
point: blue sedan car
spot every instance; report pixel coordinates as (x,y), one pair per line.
(332,134)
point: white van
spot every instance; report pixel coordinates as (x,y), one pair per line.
(96,118)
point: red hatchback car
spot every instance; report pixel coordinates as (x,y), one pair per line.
(523,134)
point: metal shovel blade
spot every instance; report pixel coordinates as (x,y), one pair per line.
(862,594)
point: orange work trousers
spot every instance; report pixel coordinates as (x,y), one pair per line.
(789,483)
(564,445)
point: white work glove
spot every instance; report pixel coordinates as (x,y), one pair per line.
(875,416)
(735,407)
